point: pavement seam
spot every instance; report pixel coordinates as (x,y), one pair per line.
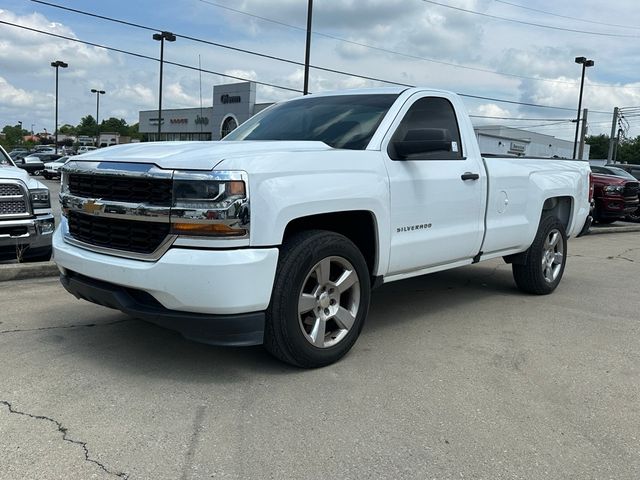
(19,330)
(65,438)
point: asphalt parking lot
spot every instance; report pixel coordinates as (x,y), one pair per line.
(456,375)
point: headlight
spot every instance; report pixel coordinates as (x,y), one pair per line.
(613,189)
(213,203)
(40,198)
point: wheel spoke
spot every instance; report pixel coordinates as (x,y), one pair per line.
(344,318)
(318,333)
(346,280)
(553,239)
(558,258)
(306,303)
(548,274)
(323,271)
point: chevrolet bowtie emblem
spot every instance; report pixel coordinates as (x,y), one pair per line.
(93,207)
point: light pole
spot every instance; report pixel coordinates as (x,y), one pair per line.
(98,93)
(21,139)
(307,53)
(585,63)
(57,64)
(161,37)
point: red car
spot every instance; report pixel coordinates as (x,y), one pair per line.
(615,198)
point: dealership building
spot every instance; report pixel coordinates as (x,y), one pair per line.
(235,103)
(232,105)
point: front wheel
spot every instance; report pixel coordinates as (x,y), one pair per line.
(545,259)
(320,299)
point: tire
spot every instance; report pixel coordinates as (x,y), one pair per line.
(322,284)
(36,255)
(46,175)
(545,259)
(606,221)
(634,217)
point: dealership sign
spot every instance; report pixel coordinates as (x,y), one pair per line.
(202,120)
(179,121)
(226,98)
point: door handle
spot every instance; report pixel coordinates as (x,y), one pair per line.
(470,176)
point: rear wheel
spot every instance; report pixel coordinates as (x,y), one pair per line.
(320,299)
(545,259)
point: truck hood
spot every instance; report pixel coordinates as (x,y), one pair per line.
(15,173)
(609,179)
(195,155)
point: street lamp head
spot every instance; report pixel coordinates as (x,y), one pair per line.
(581,59)
(589,63)
(168,36)
(99,92)
(59,63)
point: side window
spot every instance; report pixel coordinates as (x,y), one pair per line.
(429,131)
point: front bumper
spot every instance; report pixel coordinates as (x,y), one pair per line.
(230,330)
(195,280)
(31,232)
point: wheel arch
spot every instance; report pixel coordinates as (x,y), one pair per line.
(359,226)
(560,207)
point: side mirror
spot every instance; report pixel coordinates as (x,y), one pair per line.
(423,140)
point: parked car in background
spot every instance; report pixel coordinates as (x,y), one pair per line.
(633,169)
(34,162)
(615,197)
(52,169)
(619,172)
(85,149)
(26,220)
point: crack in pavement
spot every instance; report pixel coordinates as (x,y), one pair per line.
(60,327)
(622,257)
(65,438)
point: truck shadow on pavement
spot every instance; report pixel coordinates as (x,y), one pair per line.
(125,344)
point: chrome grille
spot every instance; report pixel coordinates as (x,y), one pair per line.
(128,235)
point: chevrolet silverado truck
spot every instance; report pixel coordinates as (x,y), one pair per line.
(26,221)
(277,234)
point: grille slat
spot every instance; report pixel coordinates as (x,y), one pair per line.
(119,234)
(153,191)
(9,204)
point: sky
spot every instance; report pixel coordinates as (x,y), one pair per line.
(519,51)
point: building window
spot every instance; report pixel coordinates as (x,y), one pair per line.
(228,126)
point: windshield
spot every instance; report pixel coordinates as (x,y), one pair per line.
(5,159)
(341,121)
(618,172)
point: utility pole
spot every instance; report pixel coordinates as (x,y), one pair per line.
(583,133)
(308,48)
(611,138)
(615,150)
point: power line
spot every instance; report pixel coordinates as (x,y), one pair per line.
(520,118)
(566,16)
(531,24)
(146,57)
(401,54)
(339,72)
(293,62)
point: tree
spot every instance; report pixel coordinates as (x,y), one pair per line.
(13,136)
(599,145)
(87,126)
(67,129)
(115,125)
(629,151)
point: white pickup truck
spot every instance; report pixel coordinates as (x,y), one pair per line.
(26,219)
(277,234)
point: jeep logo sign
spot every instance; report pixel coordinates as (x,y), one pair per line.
(230,98)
